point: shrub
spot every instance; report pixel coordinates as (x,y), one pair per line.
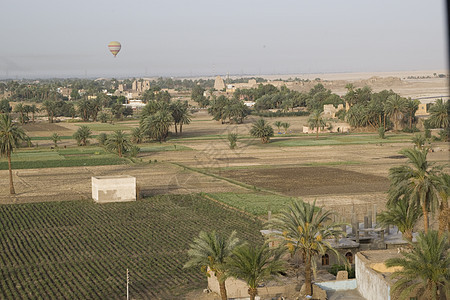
(411,130)
(232,138)
(336,268)
(134,151)
(101,138)
(381,132)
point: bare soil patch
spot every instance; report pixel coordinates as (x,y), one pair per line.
(303,181)
(32,127)
(62,184)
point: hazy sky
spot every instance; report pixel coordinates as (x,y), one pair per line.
(207,37)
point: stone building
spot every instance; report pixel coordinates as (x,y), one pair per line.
(140,85)
(329,111)
(219,84)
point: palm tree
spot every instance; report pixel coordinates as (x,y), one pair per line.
(101,138)
(418,141)
(55,138)
(254,264)
(394,107)
(425,270)
(11,136)
(403,214)
(261,129)
(443,184)
(84,108)
(82,135)
(316,121)
(50,107)
(232,138)
(278,124)
(33,110)
(411,107)
(156,126)
(137,135)
(211,250)
(285,127)
(416,180)
(20,109)
(307,229)
(439,114)
(180,115)
(118,142)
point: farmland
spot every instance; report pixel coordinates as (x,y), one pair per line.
(55,243)
(71,157)
(81,250)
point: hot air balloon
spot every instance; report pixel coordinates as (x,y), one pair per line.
(114,47)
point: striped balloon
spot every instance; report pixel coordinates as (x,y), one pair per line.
(114,47)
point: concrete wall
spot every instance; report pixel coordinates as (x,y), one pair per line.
(370,284)
(113,188)
(337,285)
(237,288)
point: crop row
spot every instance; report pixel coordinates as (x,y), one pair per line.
(59,250)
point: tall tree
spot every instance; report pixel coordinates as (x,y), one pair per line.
(411,106)
(316,121)
(84,109)
(50,107)
(33,110)
(403,214)
(261,129)
(157,126)
(211,250)
(137,135)
(425,270)
(117,142)
(307,229)
(439,114)
(11,136)
(180,114)
(82,135)
(254,264)
(19,108)
(395,107)
(417,181)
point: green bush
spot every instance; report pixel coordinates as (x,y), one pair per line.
(232,138)
(101,138)
(411,130)
(336,268)
(381,132)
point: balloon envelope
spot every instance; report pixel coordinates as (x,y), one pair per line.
(114,47)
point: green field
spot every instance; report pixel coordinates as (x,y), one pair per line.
(81,250)
(256,204)
(339,139)
(157,147)
(105,126)
(71,157)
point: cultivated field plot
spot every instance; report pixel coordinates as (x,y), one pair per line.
(44,127)
(303,181)
(81,250)
(70,157)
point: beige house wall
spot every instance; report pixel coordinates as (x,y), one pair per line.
(237,288)
(370,284)
(113,188)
